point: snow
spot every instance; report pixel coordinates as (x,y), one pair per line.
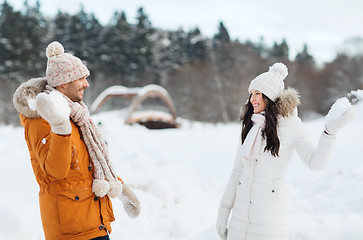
(60,103)
(122,90)
(32,104)
(357,94)
(151,115)
(153,87)
(113,90)
(179,176)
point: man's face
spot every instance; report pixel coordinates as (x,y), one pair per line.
(74,90)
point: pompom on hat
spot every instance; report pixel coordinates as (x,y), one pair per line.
(270,83)
(63,67)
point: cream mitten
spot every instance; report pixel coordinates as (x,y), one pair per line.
(54,108)
(222,220)
(130,201)
(340,114)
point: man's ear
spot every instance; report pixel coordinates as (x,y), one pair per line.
(61,88)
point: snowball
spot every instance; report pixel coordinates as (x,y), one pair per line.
(337,109)
(31,104)
(60,103)
(357,93)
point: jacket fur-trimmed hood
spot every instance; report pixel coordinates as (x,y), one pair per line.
(287,102)
(28,90)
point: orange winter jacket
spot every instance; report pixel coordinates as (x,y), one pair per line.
(69,209)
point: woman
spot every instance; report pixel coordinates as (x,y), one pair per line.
(271,131)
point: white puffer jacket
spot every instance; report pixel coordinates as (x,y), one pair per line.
(256,191)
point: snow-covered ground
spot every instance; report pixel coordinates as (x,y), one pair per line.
(179,176)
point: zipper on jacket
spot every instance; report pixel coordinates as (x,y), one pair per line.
(249,205)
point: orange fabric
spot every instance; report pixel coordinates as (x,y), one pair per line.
(69,209)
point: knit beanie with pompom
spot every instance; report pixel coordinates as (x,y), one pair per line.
(63,67)
(270,83)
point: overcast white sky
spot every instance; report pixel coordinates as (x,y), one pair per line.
(322,24)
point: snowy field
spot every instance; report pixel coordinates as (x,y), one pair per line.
(179,176)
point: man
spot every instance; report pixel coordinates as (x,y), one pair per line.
(68,155)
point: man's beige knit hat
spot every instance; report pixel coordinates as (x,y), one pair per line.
(63,67)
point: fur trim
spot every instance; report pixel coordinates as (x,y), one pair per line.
(130,201)
(287,101)
(26,91)
(100,187)
(115,189)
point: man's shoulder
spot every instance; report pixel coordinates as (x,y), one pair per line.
(33,125)
(36,121)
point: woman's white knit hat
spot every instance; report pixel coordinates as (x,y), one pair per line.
(63,67)
(270,83)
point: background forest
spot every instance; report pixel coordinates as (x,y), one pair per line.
(207,78)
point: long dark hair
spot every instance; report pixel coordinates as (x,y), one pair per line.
(270,130)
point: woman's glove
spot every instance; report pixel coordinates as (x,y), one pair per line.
(222,220)
(54,108)
(130,201)
(340,114)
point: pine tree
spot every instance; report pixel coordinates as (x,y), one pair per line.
(62,28)
(176,51)
(259,47)
(280,51)
(141,43)
(142,59)
(79,35)
(12,36)
(114,48)
(37,37)
(304,57)
(222,36)
(23,37)
(196,45)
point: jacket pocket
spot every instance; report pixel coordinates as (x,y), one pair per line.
(78,211)
(279,187)
(279,191)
